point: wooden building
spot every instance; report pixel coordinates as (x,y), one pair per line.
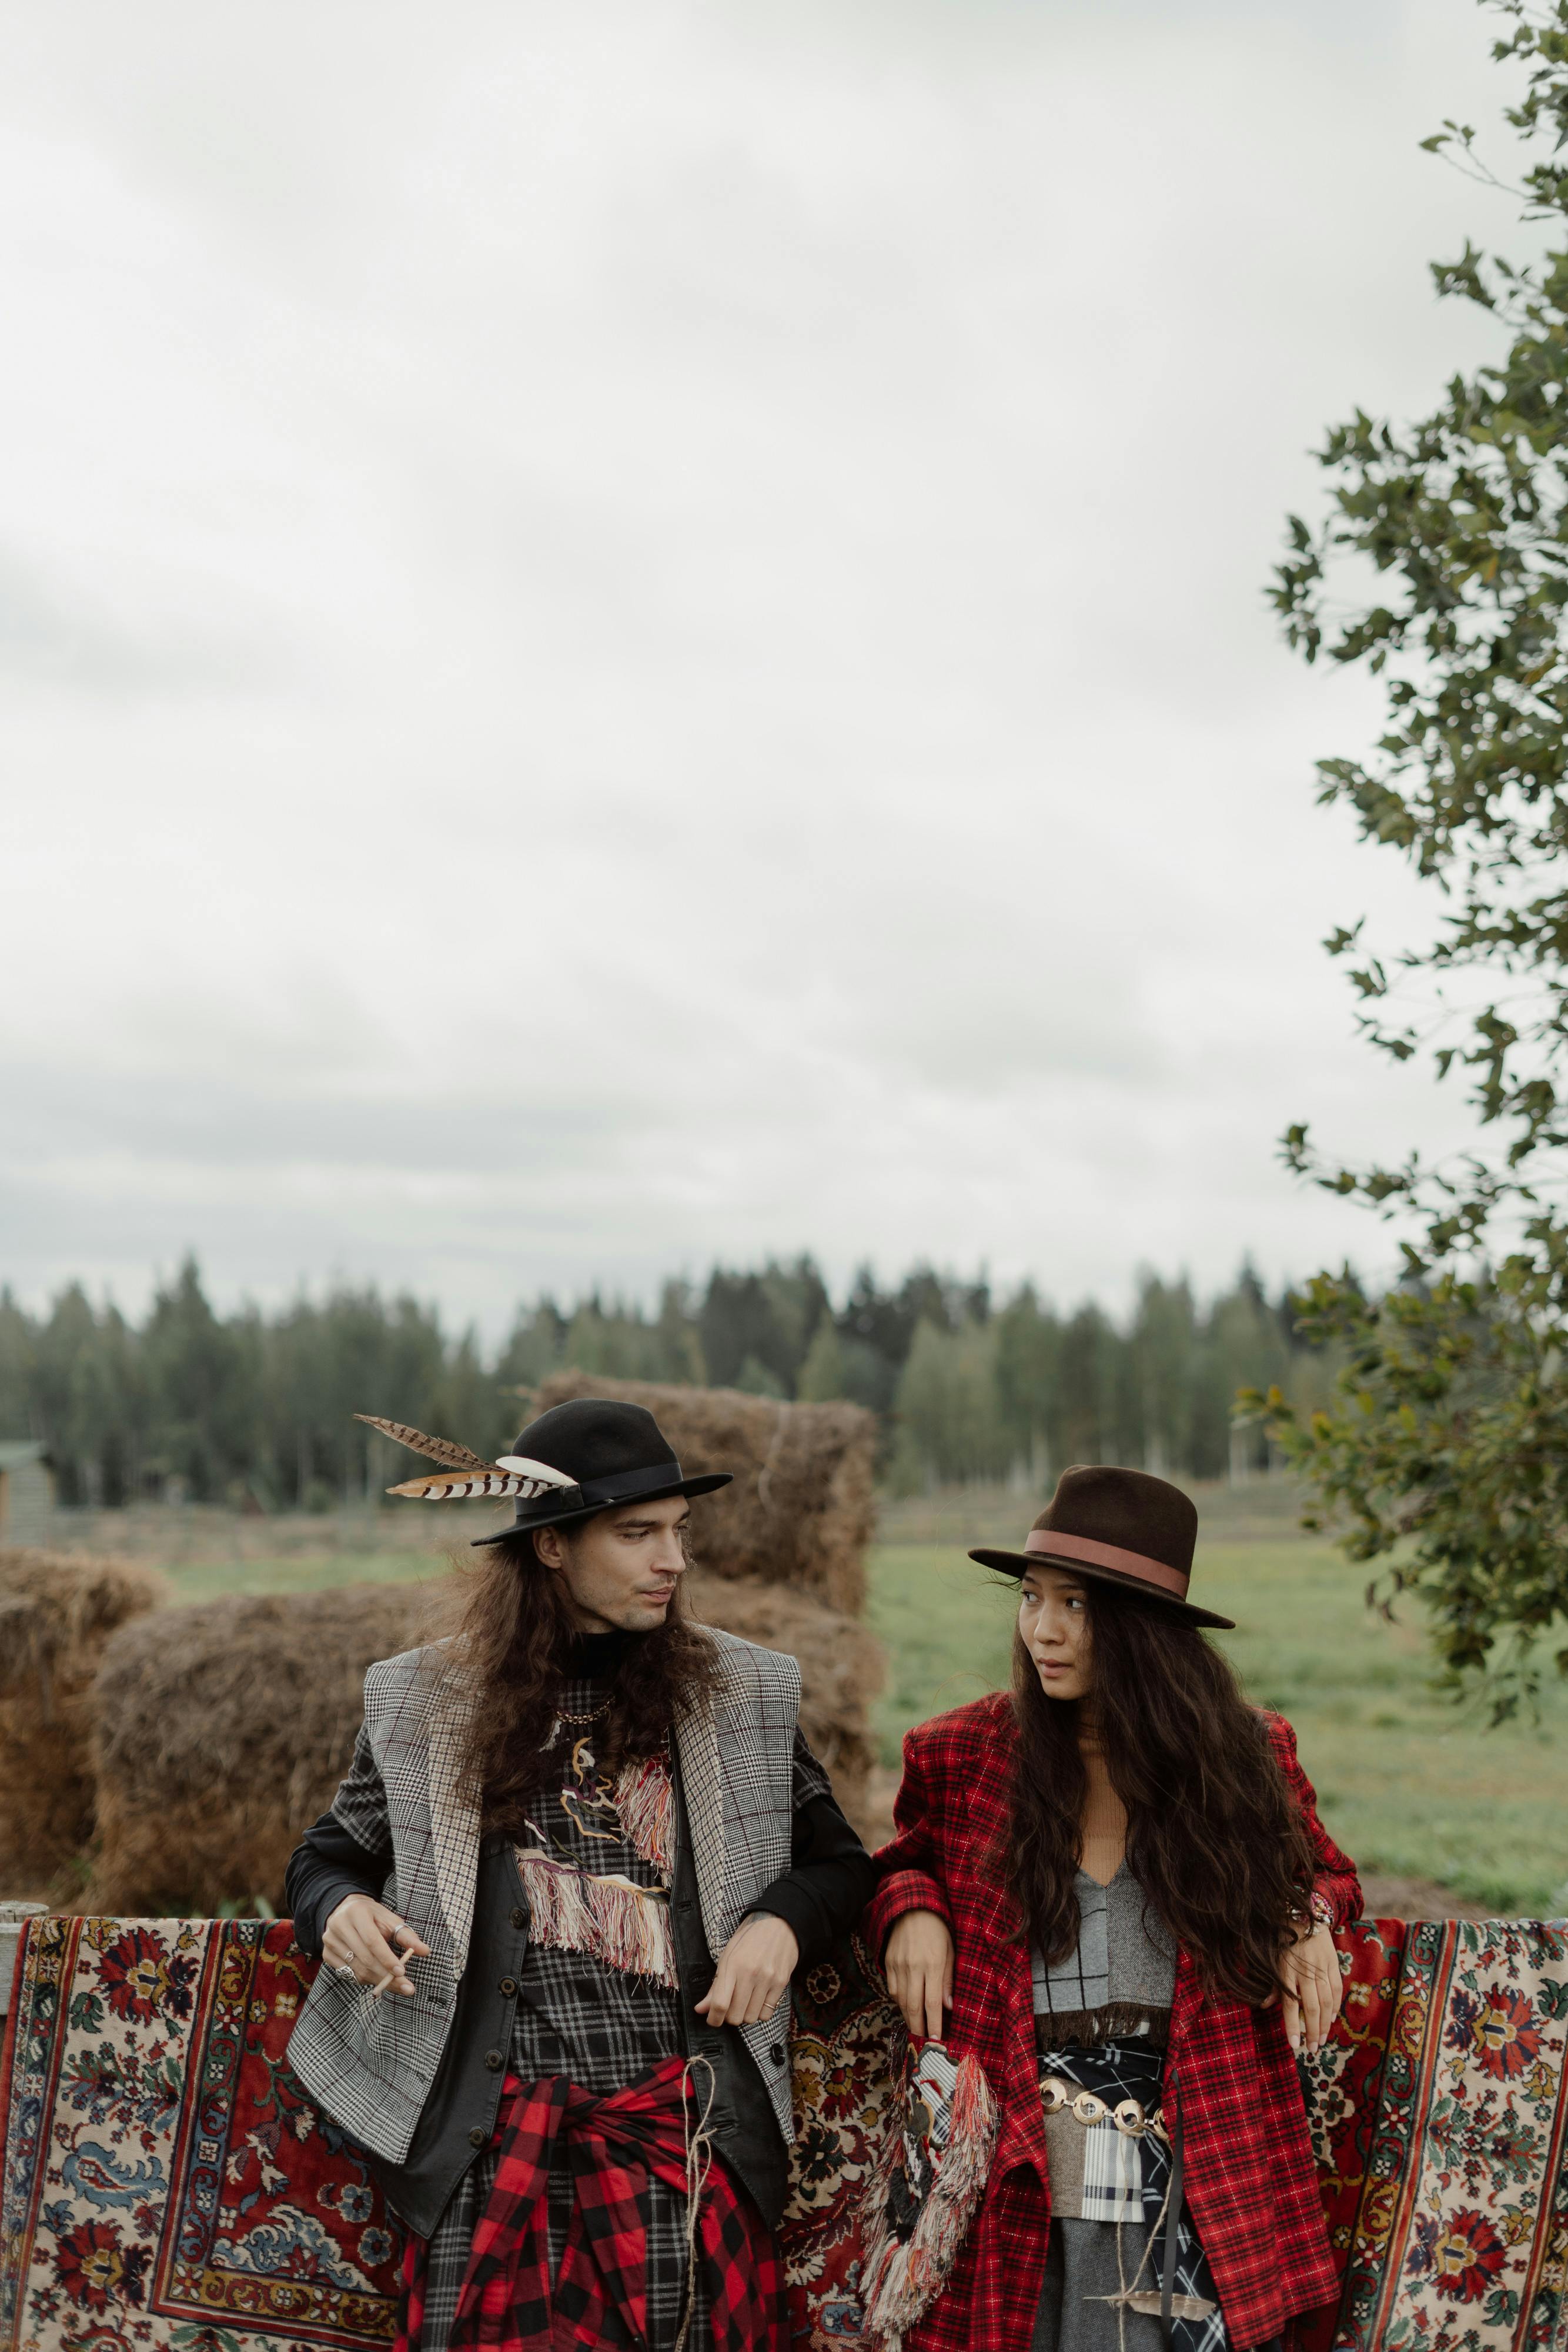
(27,1491)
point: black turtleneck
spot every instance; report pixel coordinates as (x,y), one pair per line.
(590,1655)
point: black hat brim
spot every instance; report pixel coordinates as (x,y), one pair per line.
(706,1485)
(1013,1563)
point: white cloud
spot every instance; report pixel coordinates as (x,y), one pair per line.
(635,633)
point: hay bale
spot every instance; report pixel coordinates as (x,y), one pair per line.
(57,1610)
(802,1509)
(841,1667)
(222,1731)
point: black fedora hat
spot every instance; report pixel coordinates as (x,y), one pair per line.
(612,1454)
(1117,1527)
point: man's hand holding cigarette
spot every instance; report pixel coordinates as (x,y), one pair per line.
(362,1940)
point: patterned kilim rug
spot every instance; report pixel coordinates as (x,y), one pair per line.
(167,2187)
(166,2183)
(1443,2156)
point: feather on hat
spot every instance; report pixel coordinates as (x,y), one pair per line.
(466,1474)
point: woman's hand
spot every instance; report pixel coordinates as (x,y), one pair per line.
(919,1965)
(363,1936)
(753,1969)
(1311,1989)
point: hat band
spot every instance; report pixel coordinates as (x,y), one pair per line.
(1045,1541)
(624,1486)
(619,1486)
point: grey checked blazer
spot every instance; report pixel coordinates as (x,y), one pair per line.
(371,2063)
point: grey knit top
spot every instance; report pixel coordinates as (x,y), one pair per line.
(1117,1985)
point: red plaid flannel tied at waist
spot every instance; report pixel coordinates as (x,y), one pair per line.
(614,2147)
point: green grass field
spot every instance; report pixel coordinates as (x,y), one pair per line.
(1409,1787)
(1405,1783)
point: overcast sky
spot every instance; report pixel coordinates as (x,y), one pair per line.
(636,633)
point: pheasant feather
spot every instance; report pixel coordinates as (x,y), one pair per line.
(434,1449)
(455,1485)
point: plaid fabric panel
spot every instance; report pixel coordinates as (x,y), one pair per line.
(1112,2176)
(737,1771)
(360,1803)
(371,2063)
(811,1778)
(513,2295)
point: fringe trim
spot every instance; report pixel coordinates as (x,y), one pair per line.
(903,2277)
(645,1800)
(625,1925)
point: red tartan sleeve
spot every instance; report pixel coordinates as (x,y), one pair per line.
(1336,1881)
(907,1871)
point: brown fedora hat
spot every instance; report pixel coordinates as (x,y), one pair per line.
(1117,1527)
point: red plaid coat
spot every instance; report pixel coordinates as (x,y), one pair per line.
(1250,2184)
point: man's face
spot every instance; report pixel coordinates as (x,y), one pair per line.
(620,1571)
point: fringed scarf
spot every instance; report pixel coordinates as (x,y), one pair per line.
(625,1925)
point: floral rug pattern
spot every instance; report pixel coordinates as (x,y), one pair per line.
(1459,2239)
(166,2185)
(846,2038)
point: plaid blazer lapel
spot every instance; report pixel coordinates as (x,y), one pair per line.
(454,1816)
(702,1784)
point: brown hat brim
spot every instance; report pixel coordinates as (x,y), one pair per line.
(1013,1563)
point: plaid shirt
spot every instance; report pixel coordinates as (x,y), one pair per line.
(1231,2079)
(615,2146)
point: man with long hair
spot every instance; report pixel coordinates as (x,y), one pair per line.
(580,1853)
(1111,1888)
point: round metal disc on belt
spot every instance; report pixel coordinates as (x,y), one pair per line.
(1053,2091)
(1129,2118)
(1088,2108)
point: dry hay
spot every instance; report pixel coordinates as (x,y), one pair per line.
(801,1510)
(840,1661)
(222,1731)
(57,1612)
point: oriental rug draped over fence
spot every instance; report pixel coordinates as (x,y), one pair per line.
(168,2188)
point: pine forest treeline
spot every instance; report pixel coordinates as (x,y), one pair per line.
(257,1410)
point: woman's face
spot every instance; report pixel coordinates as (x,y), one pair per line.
(1053,1619)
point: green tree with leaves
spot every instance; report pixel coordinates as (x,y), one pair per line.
(1441,568)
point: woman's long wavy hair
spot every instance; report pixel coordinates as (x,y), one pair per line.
(511,1642)
(1214,1837)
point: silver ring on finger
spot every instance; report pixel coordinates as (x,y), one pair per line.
(341,1969)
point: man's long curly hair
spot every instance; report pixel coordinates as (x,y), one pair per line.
(511,1644)
(1214,1837)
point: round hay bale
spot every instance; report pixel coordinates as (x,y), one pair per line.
(57,1610)
(841,1669)
(802,1509)
(222,1732)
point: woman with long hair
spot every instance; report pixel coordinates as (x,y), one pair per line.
(1110,1888)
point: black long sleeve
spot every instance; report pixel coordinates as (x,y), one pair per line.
(828,1882)
(327,1865)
